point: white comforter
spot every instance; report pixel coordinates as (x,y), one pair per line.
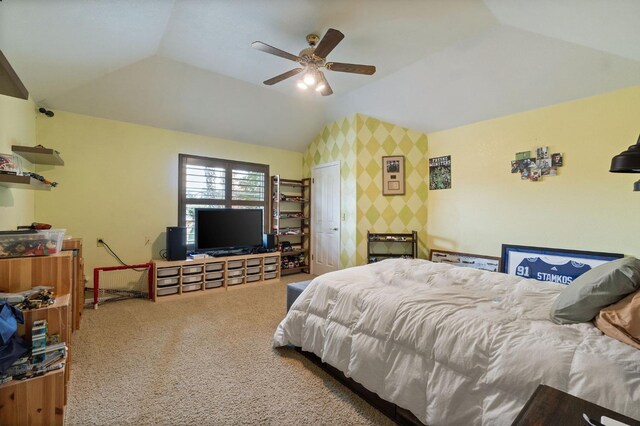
(456,345)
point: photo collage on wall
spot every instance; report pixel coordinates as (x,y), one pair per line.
(440,172)
(535,168)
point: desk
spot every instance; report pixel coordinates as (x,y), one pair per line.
(549,406)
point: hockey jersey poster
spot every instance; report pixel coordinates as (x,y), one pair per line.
(547,264)
(440,172)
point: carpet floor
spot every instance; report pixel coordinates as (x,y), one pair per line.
(204,360)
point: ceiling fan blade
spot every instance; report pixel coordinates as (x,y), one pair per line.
(353,68)
(283,76)
(328,43)
(274,51)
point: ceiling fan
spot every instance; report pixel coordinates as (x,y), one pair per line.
(312,59)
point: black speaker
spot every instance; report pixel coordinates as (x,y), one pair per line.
(176,243)
(269,241)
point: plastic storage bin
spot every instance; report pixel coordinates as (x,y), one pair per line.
(213,276)
(211,267)
(270,260)
(253,262)
(235,273)
(188,279)
(234,281)
(168,272)
(253,270)
(163,282)
(191,287)
(165,291)
(270,275)
(213,284)
(235,264)
(270,268)
(31,243)
(196,269)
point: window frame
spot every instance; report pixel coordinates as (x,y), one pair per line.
(228,165)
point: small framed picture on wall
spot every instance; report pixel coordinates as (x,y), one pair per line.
(393,175)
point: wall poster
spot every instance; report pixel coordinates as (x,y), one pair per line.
(440,172)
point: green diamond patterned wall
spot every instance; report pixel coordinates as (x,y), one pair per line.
(359,143)
(337,142)
(399,213)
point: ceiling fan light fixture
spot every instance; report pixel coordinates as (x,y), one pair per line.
(313,60)
(309,79)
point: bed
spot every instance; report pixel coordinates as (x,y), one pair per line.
(456,345)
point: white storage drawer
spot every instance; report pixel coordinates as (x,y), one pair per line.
(251,278)
(270,260)
(213,276)
(235,273)
(253,262)
(195,269)
(191,279)
(234,264)
(191,287)
(165,291)
(213,284)
(211,267)
(234,281)
(163,282)
(270,268)
(253,270)
(168,272)
(269,275)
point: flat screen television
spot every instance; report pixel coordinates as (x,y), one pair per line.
(227,229)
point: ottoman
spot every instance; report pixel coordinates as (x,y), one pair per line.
(294,290)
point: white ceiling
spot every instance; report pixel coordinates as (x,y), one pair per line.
(187,64)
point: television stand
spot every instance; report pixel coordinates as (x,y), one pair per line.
(176,279)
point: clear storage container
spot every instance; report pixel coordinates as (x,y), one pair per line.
(31,243)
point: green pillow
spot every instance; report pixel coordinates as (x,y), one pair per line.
(597,288)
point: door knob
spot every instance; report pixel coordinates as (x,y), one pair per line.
(334,229)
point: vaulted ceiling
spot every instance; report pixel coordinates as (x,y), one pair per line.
(187,65)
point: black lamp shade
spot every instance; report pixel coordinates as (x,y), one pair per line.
(627,161)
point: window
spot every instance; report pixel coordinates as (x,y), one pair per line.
(215,183)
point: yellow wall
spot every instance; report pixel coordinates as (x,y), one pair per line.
(17,127)
(120,181)
(584,207)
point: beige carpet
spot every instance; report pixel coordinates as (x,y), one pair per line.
(200,361)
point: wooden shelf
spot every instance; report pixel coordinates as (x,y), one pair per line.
(10,83)
(286,271)
(293,252)
(38,155)
(294,201)
(382,239)
(22,182)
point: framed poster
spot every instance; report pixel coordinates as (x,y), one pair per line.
(393,175)
(550,264)
(440,172)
